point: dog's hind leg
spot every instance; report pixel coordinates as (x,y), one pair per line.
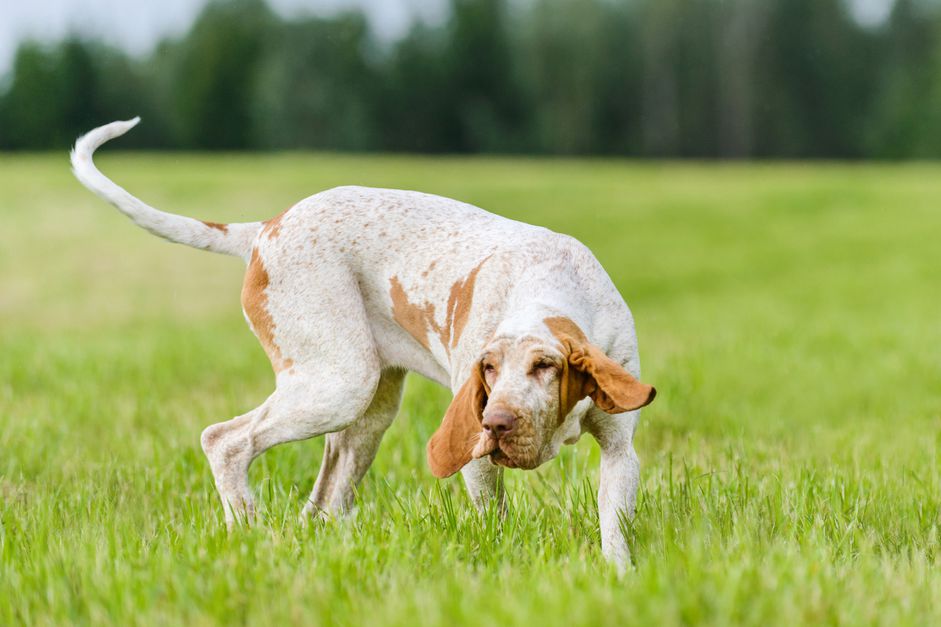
(349,453)
(222,443)
(305,405)
(325,358)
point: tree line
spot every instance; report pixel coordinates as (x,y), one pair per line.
(646,78)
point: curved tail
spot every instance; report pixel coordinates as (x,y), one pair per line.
(229,239)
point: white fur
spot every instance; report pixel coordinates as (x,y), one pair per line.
(341,353)
(175,228)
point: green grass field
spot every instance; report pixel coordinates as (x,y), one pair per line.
(788,315)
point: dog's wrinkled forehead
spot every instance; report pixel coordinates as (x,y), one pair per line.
(522,331)
(507,346)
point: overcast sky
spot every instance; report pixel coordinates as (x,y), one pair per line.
(136,25)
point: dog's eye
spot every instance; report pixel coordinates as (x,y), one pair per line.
(542,366)
(488,368)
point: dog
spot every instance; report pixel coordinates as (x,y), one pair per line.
(352,287)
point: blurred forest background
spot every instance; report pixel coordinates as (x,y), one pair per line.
(646,78)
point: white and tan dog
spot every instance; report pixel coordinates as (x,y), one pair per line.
(352,287)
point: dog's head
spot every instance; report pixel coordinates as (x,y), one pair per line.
(519,393)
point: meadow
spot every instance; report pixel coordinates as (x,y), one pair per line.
(787,313)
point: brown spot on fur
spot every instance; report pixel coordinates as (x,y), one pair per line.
(216,225)
(272,227)
(459,305)
(411,317)
(419,319)
(255,304)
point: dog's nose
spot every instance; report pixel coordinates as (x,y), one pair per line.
(499,423)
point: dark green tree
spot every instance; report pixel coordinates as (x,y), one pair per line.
(416,110)
(908,85)
(31,112)
(813,81)
(216,74)
(482,76)
(455,89)
(576,73)
(317,87)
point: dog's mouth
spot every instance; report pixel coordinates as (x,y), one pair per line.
(500,458)
(498,453)
(486,444)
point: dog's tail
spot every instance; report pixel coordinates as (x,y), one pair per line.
(229,239)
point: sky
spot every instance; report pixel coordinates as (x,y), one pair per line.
(136,25)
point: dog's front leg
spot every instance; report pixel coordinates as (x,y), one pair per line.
(620,477)
(617,495)
(484,482)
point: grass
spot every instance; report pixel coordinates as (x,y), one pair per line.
(788,315)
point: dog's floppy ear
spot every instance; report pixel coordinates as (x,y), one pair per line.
(611,387)
(589,372)
(449,449)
